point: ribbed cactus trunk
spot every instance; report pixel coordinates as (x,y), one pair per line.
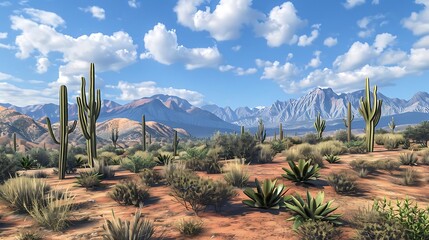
(115,136)
(319,125)
(144,132)
(281,132)
(14,141)
(242,130)
(175,143)
(88,115)
(65,130)
(150,139)
(348,121)
(371,115)
(392,125)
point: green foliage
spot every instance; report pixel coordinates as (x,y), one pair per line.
(318,230)
(89,179)
(8,167)
(190,227)
(268,196)
(311,209)
(241,146)
(164,159)
(419,133)
(331,147)
(278,146)
(361,164)
(213,166)
(54,213)
(356,147)
(22,192)
(128,192)
(303,172)
(27,163)
(136,163)
(414,220)
(118,229)
(150,177)
(40,155)
(261,133)
(342,183)
(310,138)
(332,158)
(408,159)
(319,125)
(236,174)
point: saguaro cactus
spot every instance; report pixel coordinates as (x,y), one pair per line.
(88,115)
(281,132)
(261,133)
(242,130)
(392,125)
(14,142)
(348,121)
(175,143)
(275,136)
(65,130)
(144,132)
(115,136)
(150,139)
(319,125)
(371,115)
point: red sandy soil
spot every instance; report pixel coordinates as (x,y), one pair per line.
(235,221)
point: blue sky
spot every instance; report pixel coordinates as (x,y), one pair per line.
(228,52)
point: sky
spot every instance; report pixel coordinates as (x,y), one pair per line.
(228,52)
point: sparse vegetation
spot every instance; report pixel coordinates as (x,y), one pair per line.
(236,174)
(342,183)
(89,179)
(140,228)
(138,162)
(408,158)
(303,172)
(128,192)
(268,195)
(190,227)
(318,230)
(332,158)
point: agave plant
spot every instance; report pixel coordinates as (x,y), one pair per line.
(164,159)
(312,209)
(27,163)
(302,172)
(331,158)
(269,196)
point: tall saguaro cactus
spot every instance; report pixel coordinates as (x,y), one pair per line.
(371,115)
(14,142)
(392,125)
(242,130)
(115,136)
(261,133)
(175,143)
(65,130)
(319,125)
(348,121)
(280,132)
(144,132)
(88,114)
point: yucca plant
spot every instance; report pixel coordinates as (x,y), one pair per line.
(164,159)
(312,209)
(302,172)
(408,159)
(331,158)
(269,196)
(118,229)
(27,163)
(89,179)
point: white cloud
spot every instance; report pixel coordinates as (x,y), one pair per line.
(237,70)
(236,48)
(43,17)
(353,3)
(224,23)
(330,41)
(111,53)
(418,59)
(280,26)
(26,96)
(133,3)
(132,91)
(6,46)
(277,72)
(382,41)
(315,62)
(367,25)
(3,35)
(418,23)
(422,42)
(5,76)
(161,45)
(97,12)
(42,65)
(375,2)
(357,56)
(392,57)
(305,40)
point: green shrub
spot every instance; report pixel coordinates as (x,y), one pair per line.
(89,179)
(8,167)
(196,153)
(27,163)
(195,164)
(118,229)
(164,159)
(310,138)
(40,155)
(408,158)
(154,147)
(150,177)
(54,213)
(303,172)
(342,183)
(266,154)
(318,230)
(137,162)
(388,164)
(311,209)
(341,136)
(331,148)
(21,192)
(268,196)
(127,192)
(171,168)
(236,174)
(278,146)
(363,165)
(213,166)
(356,147)
(190,227)
(332,158)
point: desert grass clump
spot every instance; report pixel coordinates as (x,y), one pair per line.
(150,177)
(213,166)
(236,174)
(118,229)
(89,179)
(356,147)
(409,177)
(28,235)
(388,164)
(170,168)
(424,156)
(342,183)
(318,230)
(190,227)
(408,158)
(331,147)
(362,165)
(128,192)
(54,212)
(138,161)
(266,154)
(22,192)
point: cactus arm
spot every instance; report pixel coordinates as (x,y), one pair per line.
(82,93)
(98,105)
(73,127)
(48,122)
(82,118)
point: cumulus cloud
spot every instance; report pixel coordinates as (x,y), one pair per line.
(237,70)
(10,91)
(132,91)
(315,62)
(162,46)
(43,17)
(3,35)
(367,25)
(349,4)
(305,40)
(133,3)
(223,23)
(280,25)
(97,12)
(42,65)
(277,72)
(330,41)
(418,23)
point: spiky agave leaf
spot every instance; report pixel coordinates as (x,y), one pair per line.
(302,172)
(269,196)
